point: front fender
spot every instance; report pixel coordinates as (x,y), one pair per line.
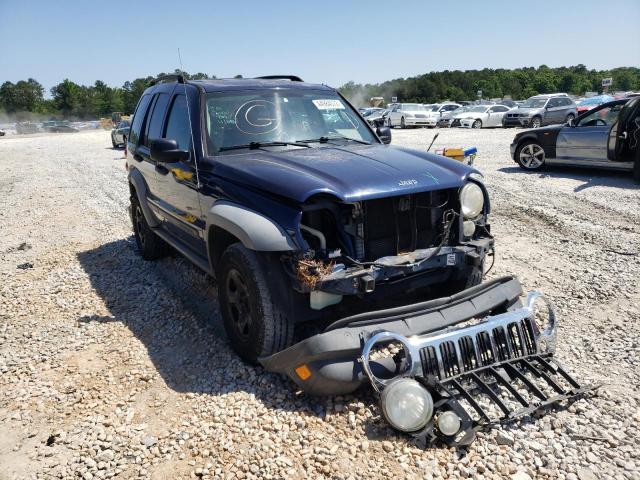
(253,229)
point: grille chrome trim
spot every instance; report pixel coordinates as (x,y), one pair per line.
(441,352)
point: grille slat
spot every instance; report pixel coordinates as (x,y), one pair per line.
(449,358)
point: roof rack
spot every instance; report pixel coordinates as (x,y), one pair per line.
(172,77)
(293,78)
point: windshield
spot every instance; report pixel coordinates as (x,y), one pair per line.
(460,110)
(480,108)
(413,107)
(243,117)
(534,103)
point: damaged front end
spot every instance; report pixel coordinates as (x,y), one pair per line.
(440,236)
(445,368)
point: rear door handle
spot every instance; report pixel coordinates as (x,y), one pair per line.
(161,169)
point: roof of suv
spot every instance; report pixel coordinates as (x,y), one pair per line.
(549,95)
(217,85)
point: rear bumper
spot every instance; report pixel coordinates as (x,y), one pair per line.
(333,357)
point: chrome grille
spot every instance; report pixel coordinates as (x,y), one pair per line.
(469,352)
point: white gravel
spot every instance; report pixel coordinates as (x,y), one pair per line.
(112,367)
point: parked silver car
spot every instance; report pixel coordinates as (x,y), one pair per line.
(607,136)
(120,133)
(556,108)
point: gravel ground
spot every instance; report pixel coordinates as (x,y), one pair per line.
(112,367)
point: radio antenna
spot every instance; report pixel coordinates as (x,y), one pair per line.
(186,99)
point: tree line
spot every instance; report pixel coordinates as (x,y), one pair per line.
(519,83)
(25,99)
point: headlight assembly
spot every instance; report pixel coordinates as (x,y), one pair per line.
(471,200)
(406,405)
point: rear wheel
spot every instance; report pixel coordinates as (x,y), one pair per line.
(150,245)
(254,316)
(477,124)
(530,156)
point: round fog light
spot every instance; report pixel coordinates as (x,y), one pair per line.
(468,228)
(448,423)
(406,405)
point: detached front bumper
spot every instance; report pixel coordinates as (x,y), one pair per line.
(494,370)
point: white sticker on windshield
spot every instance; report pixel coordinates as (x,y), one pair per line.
(328,104)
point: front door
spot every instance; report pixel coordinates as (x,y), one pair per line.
(588,139)
(178,181)
(554,111)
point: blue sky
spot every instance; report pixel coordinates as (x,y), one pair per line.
(329,41)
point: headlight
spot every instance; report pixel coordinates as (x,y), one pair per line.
(406,405)
(471,200)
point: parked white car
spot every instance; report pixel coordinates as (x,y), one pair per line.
(436,111)
(484,116)
(407,115)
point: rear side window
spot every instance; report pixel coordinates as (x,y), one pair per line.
(138,119)
(178,123)
(154,124)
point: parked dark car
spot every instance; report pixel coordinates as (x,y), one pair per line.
(606,136)
(58,126)
(324,241)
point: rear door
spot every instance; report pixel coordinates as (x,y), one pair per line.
(178,181)
(588,139)
(137,153)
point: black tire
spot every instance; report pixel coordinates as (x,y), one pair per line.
(113,142)
(150,245)
(402,125)
(477,124)
(388,120)
(636,165)
(531,148)
(254,317)
(536,122)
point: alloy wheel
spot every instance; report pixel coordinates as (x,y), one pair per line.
(535,122)
(140,225)
(532,156)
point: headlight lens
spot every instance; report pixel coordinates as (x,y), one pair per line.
(471,200)
(407,405)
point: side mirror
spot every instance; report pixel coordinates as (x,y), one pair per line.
(379,122)
(385,134)
(164,150)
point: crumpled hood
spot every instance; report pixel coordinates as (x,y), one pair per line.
(351,173)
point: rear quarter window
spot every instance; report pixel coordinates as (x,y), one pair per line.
(138,119)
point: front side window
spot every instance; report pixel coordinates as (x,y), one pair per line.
(237,118)
(601,117)
(178,123)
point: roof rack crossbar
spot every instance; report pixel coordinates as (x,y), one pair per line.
(173,77)
(293,78)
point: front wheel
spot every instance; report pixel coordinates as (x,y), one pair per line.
(113,141)
(253,315)
(536,122)
(477,124)
(402,124)
(530,156)
(570,118)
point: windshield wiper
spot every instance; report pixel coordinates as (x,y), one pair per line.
(257,145)
(335,137)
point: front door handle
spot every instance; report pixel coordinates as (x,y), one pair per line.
(162,170)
